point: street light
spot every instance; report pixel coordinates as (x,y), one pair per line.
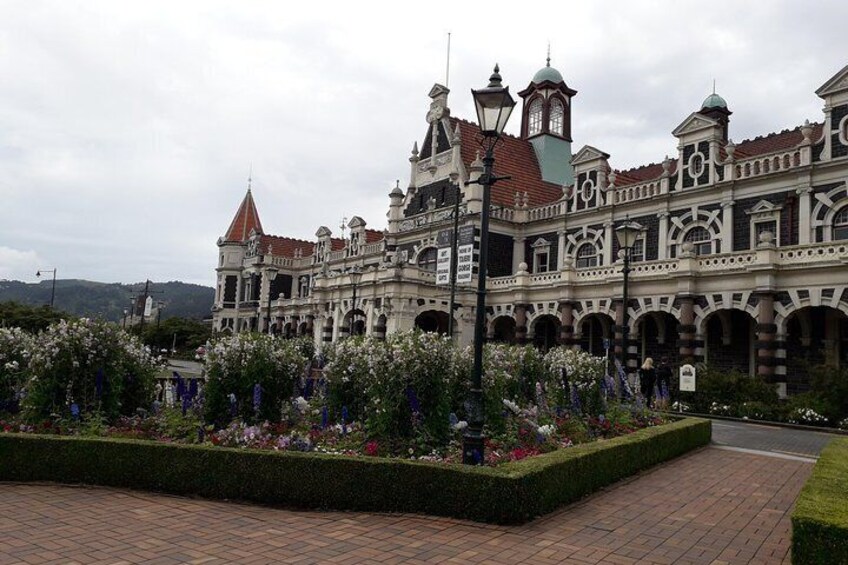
(626,234)
(494,104)
(271,273)
(355,277)
(53,290)
(124,324)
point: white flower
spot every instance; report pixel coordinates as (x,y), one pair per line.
(459,426)
(511,405)
(547,430)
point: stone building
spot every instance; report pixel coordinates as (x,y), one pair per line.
(741,261)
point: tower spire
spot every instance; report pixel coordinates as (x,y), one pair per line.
(548,61)
(250,177)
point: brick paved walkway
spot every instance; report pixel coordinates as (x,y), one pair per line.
(711,506)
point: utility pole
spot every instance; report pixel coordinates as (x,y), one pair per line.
(146,294)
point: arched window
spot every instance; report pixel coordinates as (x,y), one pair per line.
(427,259)
(840,224)
(700,238)
(534,117)
(587,256)
(556,116)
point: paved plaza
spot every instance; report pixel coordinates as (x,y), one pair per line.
(726,503)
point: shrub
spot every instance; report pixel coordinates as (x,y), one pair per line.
(15,350)
(258,370)
(350,365)
(88,366)
(575,379)
(830,385)
(514,493)
(717,389)
(820,518)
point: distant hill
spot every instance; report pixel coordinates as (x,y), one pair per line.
(94,299)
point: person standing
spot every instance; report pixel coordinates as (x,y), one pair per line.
(664,382)
(647,380)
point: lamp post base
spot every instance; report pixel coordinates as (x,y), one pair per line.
(473,448)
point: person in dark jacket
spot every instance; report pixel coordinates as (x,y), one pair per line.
(647,380)
(664,374)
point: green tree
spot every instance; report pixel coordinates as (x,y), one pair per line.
(184,334)
(29,318)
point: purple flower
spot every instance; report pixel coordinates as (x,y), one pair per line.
(233,406)
(192,389)
(325,417)
(75,411)
(575,400)
(257,397)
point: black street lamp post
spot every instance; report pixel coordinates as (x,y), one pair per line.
(626,234)
(53,288)
(271,273)
(355,277)
(494,104)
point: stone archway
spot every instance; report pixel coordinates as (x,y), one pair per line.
(729,338)
(545,330)
(815,335)
(657,337)
(434,321)
(503,330)
(594,329)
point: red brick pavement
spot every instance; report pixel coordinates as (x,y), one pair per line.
(711,506)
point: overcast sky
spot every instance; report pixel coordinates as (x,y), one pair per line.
(127,129)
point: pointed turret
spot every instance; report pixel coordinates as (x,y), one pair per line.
(245,220)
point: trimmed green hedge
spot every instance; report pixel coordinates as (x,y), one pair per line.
(513,493)
(820,519)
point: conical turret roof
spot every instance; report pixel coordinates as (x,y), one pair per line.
(245,220)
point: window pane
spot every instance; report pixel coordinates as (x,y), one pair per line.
(697,234)
(427,259)
(534,118)
(555,125)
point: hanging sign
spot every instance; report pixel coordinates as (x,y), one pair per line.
(687,378)
(465,255)
(443,259)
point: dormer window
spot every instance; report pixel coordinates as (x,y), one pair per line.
(840,225)
(587,256)
(534,118)
(696,165)
(556,115)
(541,256)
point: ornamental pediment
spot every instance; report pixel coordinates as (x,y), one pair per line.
(837,83)
(695,122)
(763,207)
(588,154)
(541,242)
(323,231)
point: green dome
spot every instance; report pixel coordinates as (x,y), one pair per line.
(714,101)
(547,73)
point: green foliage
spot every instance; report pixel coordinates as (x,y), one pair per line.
(728,388)
(820,518)
(15,350)
(830,386)
(513,493)
(93,365)
(183,334)
(236,364)
(29,318)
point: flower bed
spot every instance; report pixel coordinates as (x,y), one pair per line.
(511,493)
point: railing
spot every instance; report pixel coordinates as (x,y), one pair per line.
(598,273)
(501,282)
(546,212)
(649,268)
(507,214)
(727,261)
(816,253)
(373,248)
(766,164)
(545,278)
(636,192)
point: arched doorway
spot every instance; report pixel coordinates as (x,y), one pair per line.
(503,330)
(432,321)
(658,335)
(595,333)
(816,335)
(545,332)
(354,323)
(729,341)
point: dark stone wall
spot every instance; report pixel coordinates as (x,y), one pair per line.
(553,250)
(230,283)
(443,192)
(735,355)
(499,263)
(443,142)
(652,237)
(592,202)
(788,219)
(281,285)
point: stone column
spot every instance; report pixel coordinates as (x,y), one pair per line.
(727,226)
(520,314)
(566,329)
(765,337)
(804,210)
(608,237)
(327,331)
(560,250)
(662,242)
(687,329)
(618,342)
(518,253)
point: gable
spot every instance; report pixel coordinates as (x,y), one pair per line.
(588,153)
(837,83)
(695,122)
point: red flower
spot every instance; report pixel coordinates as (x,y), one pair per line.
(371,448)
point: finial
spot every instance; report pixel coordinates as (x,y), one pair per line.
(495,79)
(250,177)
(549,55)
(343,225)
(415,149)
(397,184)
(713,86)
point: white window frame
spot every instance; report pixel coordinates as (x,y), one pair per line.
(434,262)
(710,241)
(541,247)
(842,225)
(593,258)
(764,211)
(556,117)
(690,165)
(534,117)
(843,130)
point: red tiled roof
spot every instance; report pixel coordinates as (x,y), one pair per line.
(786,139)
(285,246)
(245,220)
(372,236)
(337,244)
(774,142)
(514,157)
